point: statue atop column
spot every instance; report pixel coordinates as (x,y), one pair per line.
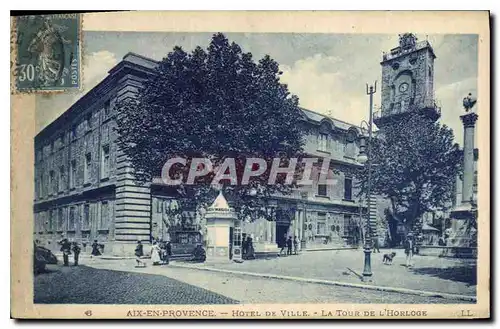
(469,102)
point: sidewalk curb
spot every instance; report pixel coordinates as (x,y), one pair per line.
(337,283)
(328,249)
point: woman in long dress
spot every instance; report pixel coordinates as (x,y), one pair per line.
(155,254)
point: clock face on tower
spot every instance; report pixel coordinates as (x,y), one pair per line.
(403,87)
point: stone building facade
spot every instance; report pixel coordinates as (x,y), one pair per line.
(85,191)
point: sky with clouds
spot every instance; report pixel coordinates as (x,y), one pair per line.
(328,72)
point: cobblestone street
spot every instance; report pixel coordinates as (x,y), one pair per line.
(86,285)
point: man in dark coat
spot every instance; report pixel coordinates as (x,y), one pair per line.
(95,249)
(66,250)
(139,252)
(409,246)
(76,252)
(289,245)
(250,251)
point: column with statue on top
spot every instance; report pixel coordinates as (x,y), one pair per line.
(465,213)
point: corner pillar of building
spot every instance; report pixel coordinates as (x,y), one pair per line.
(132,221)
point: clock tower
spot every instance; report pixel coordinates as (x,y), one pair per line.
(407,81)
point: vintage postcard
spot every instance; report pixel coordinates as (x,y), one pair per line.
(256,165)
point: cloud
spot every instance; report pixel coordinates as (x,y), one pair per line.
(96,67)
(313,81)
(323,84)
(450,98)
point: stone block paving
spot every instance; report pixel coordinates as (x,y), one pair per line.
(247,289)
(445,275)
(87,285)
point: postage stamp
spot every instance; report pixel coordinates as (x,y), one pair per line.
(47,52)
(289,171)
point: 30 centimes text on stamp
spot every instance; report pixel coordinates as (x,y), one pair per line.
(47,53)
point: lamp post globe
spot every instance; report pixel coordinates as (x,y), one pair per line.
(362,158)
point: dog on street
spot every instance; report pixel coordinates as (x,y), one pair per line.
(388,258)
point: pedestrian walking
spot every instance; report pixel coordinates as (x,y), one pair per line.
(66,250)
(289,245)
(139,252)
(409,246)
(376,247)
(76,252)
(95,249)
(168,252)
(282,244)
(244,246)
(250,249)
(164,252)
(155,254)
(295,245)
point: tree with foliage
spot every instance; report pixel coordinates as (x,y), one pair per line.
(216,104)
(414,163)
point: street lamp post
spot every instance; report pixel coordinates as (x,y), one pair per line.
(364,157)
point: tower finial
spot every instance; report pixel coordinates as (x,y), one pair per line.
(407,40)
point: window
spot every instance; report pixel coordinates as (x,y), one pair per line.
(86,218)
(107,108)
(350,145)
(38,185)
(50,221)
(323,142)
(63,140)
(41,188)
(62,179)
(60,219)
(52,182)
(321,224)
(237,236)
(321,187)
(104,215)
(36,223)
(73,132)
(71,218)
(348,188)
(159,206)
(86,171)
(88,121)
(105,162)
(72,174)
(105,133)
